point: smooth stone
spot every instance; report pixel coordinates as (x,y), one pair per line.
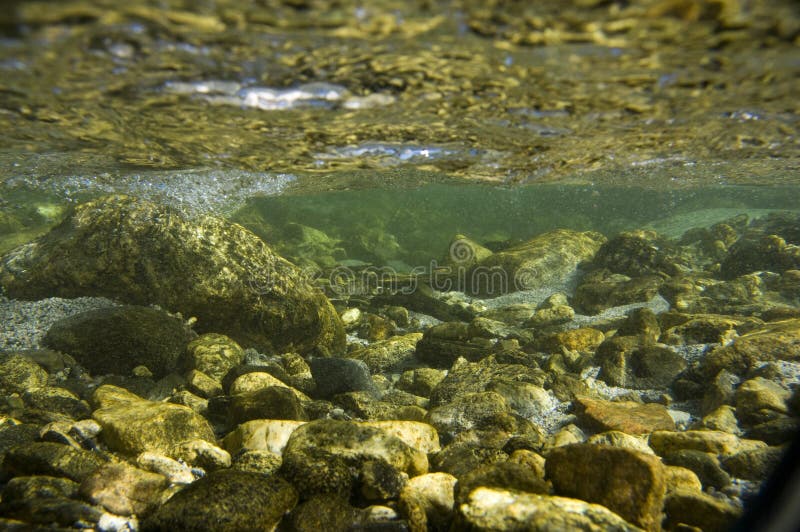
(775,431)
(261,435)
(123,489)
(201,453)
(705,465)
(206,267)
(275,402)
(720,391)
(698,509)
(443,344)
(508,511)
(132,425)
(176,472)
(427,501)
(582,339)
(624,416)
(625,361)
(600,290)
(340,375)
(604,475)
(225,501)
(118,339)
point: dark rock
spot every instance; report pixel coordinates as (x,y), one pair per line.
(380,481)
(698,509)
(637,253)
(459,459)
(776,431)
(624,361)
(388,354)
(502,475)
(481,411)
(754,464)
(627,482)
(443,344)
(117,339)
(340,375)
(213,354)
(12,435)
(705,465)
(323,512)
(760,252)
(601,289)
(142,253)
(49,511)
(59,400)
(51,459)
(225,501)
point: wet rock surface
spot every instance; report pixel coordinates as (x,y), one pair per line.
(141,252)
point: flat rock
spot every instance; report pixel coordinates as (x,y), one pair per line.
(708,441)
(627,482)
(502,510)
(698,509)
(132,425)
(625,416)
(142,253)
(226,501)
(51,459)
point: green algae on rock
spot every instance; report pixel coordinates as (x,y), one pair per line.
(143,253)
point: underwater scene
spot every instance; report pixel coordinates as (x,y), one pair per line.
(428,265)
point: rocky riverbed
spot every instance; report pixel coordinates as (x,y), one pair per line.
(162,372)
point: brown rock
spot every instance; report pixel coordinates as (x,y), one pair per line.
(627,482)
(626,416)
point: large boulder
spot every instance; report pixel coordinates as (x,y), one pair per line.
(549,259)
(143,253)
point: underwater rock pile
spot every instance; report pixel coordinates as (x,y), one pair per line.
(654,388)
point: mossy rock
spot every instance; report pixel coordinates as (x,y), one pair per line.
(118,339)
(143,253)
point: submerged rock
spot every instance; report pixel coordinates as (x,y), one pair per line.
(132,425)
(627,482)
(547,260)
(226,501)
(142,253)
(503,510)
(118,339)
